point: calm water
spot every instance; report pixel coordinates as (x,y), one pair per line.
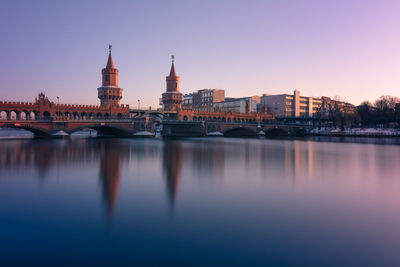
(203,201)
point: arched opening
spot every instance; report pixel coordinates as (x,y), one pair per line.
(240,132)
(13,115)
(229,119)
(67,115)
(185,118)
(84,116)
(36,131)
(75,116)
(103,130)
(276,132)
(46,115)
(23,116)
(99,116)
(3,115)
(33,115)
(119,116)
(194,118)
(91,116)
(106,116)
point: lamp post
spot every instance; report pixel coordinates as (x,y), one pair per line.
(58,107)
(138,105)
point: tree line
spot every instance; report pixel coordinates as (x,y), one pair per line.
(384,112)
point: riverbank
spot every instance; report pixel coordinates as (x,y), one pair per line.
(357,132)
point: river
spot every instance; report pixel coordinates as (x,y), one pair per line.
(316,201)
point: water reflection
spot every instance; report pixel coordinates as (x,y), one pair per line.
(251,198)
(110,171)
(172,165)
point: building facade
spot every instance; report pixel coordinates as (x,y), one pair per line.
(286,105)
(203,100)
(238,105)
(109,93)
(172,99)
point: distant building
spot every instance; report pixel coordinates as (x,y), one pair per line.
(238,105)
(203,100)
(286,105)
(329,105)
(187,101)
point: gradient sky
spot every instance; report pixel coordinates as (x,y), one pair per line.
(349,48)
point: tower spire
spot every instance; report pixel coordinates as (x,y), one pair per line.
(110,63)
(172,73)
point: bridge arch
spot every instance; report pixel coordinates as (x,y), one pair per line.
(240,132)
(38,132)
(276,132)
(103,130)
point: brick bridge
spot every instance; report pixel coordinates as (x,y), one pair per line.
(43,128)
(176,128)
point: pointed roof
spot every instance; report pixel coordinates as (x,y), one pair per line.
(172,72)
(110,63)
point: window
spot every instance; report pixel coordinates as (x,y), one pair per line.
(107,78)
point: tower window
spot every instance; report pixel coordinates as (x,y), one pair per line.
(107,78)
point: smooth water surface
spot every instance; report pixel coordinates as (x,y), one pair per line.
(199,201)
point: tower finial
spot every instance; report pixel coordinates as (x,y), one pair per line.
(109,48)
(172,56)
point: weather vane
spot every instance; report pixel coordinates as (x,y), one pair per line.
(172,58)
(109,48)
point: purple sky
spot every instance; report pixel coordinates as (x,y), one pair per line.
(347,48)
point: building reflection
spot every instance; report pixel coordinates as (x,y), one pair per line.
(110,172)
(44,156)
(172,164)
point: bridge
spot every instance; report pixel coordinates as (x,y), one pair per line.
(46,128)
(178,128)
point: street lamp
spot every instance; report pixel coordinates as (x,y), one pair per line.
(58,106)
(138,105)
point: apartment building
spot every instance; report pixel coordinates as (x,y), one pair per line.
(285,105)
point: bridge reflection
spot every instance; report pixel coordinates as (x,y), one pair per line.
(206,160)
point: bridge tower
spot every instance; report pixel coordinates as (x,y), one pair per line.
(172,99)
(109,93)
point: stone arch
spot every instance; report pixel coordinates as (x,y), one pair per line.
(35,130)
(33,115)
(83,115)
(75,116)
(67,115)
(240,132)
(91,116)
(4,115)
(103,130)
(14,115)
(46,115)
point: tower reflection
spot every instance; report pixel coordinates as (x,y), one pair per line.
(172,164)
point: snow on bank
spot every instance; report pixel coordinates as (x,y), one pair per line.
(358,131)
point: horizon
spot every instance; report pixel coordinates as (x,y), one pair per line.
(244,48)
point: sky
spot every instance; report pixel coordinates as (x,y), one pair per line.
(346,48)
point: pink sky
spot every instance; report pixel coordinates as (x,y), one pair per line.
(330,48)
